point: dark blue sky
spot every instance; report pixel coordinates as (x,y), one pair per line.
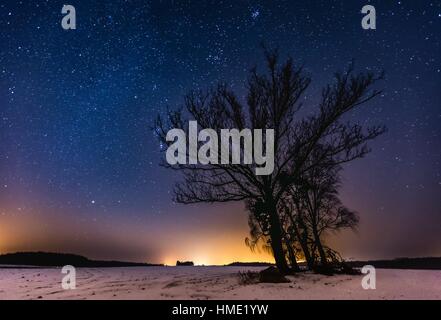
(78,159)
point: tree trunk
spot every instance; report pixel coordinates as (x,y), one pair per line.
(279,254)
(320,249)
(276,243)
(292,258)
(303,240)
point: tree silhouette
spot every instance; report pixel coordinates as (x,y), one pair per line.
(273,101)
(315,208)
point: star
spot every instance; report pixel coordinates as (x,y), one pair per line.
(255,14)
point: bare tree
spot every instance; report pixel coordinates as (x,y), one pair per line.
(314,206)
(272,102)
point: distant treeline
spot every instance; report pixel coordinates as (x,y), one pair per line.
(427,263)
(49,259)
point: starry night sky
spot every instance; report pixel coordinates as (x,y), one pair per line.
(79,163)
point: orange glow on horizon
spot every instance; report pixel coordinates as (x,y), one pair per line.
(213,245)
(216,252)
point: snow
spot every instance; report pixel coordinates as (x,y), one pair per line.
(211,283)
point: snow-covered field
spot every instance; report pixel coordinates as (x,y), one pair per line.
(211,283)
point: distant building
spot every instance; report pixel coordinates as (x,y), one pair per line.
(184,263)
